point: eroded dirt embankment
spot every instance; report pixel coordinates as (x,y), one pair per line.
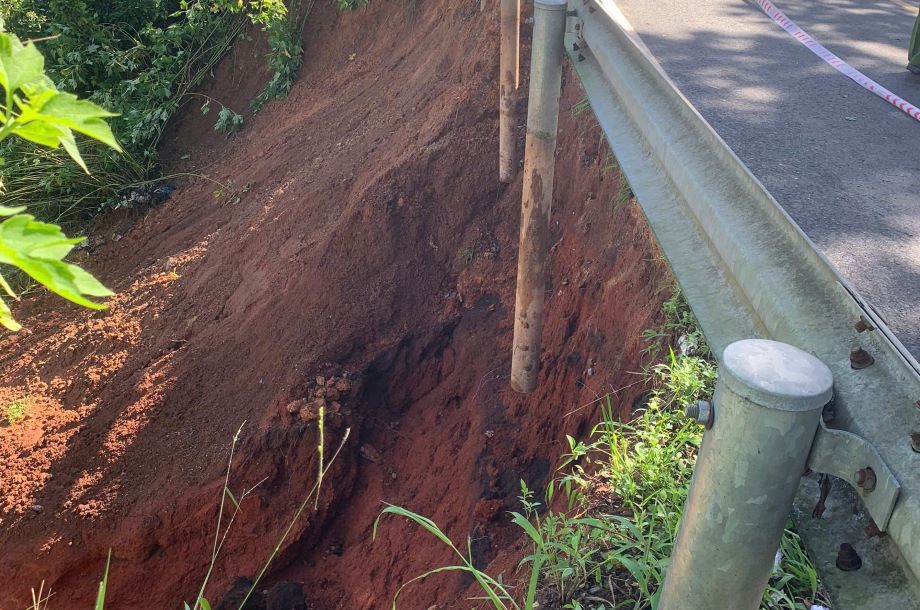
(364,236)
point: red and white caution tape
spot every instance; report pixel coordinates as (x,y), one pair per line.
(841,66)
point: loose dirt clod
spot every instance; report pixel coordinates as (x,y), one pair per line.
(370,454)
(323,395)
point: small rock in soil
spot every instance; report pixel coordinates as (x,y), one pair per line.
(369,453)
(294,407)
(286,596)
(310,412)
(38,508)
(237,593)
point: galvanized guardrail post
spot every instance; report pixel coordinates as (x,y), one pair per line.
(509,81)
(760,428)
(537,198)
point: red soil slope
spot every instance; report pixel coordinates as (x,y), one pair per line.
(362,235)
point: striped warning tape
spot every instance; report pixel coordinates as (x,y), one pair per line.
(841,66)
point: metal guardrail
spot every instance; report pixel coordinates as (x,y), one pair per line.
(747,270)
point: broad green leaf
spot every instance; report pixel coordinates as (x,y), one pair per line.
(66,110)
(7,211)
(89,285)
(42,132)
(37,248)
(22,233)
(205,605)
(70,145)
(7,288)
(51,135)
(6,317)
(19,64)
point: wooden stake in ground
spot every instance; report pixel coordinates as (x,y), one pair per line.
(509,81)
(537,199)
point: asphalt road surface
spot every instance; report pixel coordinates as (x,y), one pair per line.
(844,163)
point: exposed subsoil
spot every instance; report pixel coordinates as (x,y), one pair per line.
(361,236)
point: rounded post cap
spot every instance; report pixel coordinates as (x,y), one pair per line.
(551,5)
(776,375)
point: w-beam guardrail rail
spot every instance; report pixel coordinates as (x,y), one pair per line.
(748,271)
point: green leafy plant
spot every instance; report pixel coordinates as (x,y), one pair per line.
(228,122)
(633,478)
(34,110)
(143,60)
(564,546)
(16,411)
(680,327)
(283,24)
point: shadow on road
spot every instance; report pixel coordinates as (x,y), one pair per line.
(840,160)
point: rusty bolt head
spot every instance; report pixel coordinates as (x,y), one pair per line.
(860,358)
(863,325)
(701,411)
(872,530)
(865,479)
(847,558)
(915,441)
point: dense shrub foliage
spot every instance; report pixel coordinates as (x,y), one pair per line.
(141,59)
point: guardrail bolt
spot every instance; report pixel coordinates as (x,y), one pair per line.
(872,530)
(860,358)
(863,325)
(847,558)
(865,479)
(701,412)
(915,441)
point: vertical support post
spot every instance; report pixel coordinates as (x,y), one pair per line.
(509,81)
(763,419)
(537,198)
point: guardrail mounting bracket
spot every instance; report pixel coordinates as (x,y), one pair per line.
(574,25)
(853,459)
